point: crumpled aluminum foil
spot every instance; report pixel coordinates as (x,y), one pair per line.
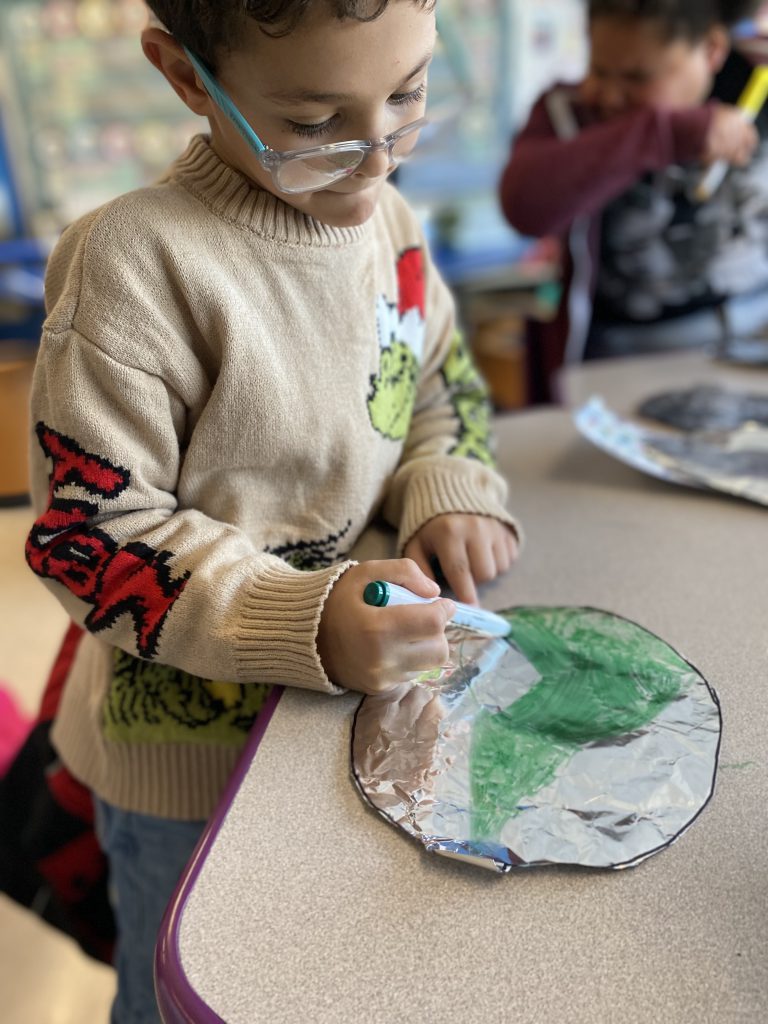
(581,739)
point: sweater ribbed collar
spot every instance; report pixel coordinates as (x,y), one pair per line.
(232,196)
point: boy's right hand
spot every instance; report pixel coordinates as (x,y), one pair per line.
(374,649)
(731,137)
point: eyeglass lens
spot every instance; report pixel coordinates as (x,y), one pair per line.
(308,172)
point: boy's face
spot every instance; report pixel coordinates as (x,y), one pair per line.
(631,65)
(327,81)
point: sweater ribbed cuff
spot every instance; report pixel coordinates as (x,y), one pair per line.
(277,633)
(442,491)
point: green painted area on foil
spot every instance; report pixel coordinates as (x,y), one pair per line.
(601,677)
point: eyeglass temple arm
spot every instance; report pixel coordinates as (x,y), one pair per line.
(223,101)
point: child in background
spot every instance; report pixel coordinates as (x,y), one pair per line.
(613,165)
(241,367)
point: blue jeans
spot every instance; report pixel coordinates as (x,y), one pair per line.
(146,858)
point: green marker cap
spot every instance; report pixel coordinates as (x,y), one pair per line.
(376,594)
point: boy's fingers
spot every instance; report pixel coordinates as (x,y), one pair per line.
(459,577)
(506,550)
(412,572)
(482,561)
(426,655)
(502,556)
(447,608)
(411,569)
(408,660)
(417,622)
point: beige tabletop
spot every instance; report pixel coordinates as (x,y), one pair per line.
(308,907)
(625,382)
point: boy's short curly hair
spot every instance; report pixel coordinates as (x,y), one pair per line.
(678,19)
(210,27)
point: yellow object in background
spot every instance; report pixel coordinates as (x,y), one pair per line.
(755,92)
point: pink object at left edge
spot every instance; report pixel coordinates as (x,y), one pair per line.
(14,728)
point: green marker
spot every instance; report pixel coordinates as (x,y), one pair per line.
(381,595)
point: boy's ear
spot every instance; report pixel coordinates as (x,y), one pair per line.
(162,50)
(718,46)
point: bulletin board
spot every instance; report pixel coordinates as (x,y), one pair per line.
(87,116)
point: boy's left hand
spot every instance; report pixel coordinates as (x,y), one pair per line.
(470,549)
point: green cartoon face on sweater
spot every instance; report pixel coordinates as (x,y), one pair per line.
(393,391)
(151,703)
(401,329)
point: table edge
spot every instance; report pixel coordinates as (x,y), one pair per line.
(178,1001)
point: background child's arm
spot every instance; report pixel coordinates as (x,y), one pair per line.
(549,181)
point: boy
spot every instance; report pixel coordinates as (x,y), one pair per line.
(614,164)
(241,366)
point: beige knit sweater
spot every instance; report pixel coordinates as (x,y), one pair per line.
(226,393)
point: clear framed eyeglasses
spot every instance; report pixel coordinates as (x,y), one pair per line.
(308,170)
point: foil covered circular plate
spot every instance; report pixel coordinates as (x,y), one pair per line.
(580,739)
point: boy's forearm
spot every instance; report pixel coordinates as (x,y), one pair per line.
(549,182)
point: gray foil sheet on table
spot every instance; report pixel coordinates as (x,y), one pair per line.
(706,407)
(582,739)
